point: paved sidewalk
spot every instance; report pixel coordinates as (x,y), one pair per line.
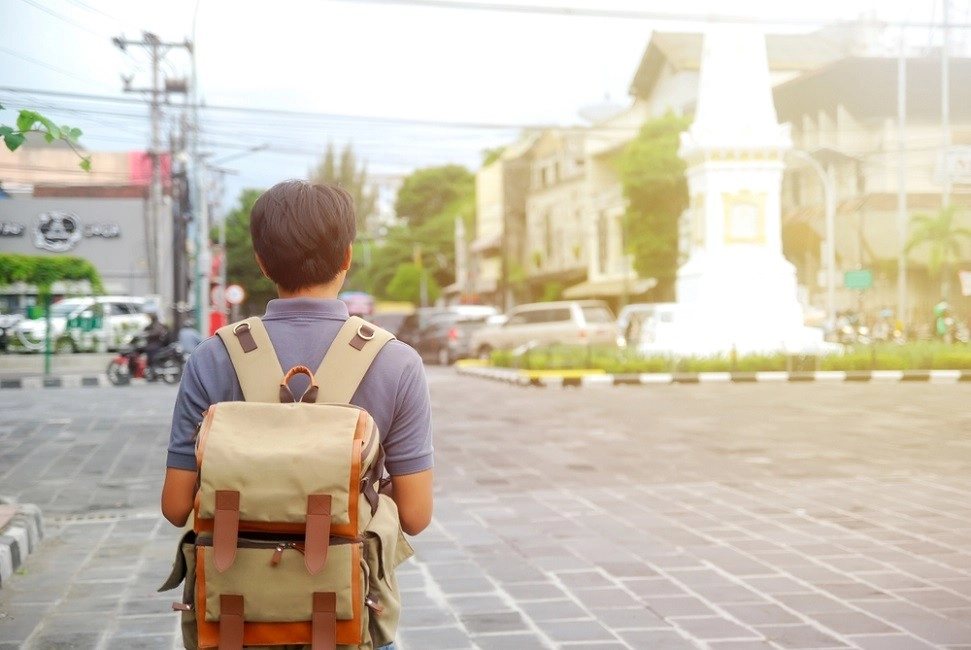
(59,370)
(716,516)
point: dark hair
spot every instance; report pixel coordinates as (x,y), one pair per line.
(301,232)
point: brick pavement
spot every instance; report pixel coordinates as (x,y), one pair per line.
(718,516)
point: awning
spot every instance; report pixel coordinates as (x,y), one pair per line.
(487,243)
(610,288)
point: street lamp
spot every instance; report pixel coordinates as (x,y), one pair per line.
(829,197)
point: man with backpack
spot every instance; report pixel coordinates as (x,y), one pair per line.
(302,237)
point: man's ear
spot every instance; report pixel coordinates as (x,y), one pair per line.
(348,257)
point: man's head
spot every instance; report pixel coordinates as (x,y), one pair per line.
(302,233)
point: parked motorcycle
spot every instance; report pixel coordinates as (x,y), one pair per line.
(167,365)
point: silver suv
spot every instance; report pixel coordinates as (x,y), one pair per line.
(571,322)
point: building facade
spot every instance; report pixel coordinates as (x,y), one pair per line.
(837,88)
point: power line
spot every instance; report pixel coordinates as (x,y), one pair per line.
(626,14)
(61,16)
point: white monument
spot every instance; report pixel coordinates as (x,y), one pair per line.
(736,291)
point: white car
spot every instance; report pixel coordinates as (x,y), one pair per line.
(88,323)
(568,322)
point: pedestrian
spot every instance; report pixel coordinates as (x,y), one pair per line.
(302,236)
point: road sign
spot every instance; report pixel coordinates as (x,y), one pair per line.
(235,294)
(862,279)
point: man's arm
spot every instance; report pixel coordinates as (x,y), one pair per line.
(178,495)
(413,495)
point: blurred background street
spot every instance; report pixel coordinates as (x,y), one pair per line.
(722,516)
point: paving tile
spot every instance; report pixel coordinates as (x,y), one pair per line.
(658,640)
(587,630)
(667,606)
(846,623)
(707,628)
(753,614)
(891,642)
(799,636)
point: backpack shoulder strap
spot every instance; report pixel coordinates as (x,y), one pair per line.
(254,359)
(348,359)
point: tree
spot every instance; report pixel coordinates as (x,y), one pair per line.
(656,190)
(406,285)
(944,237)
(439,195)
(427,192)
(347,175)
(240,260)
(43,272)
(33,122)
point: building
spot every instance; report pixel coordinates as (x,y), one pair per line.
(53,207)
(837,87)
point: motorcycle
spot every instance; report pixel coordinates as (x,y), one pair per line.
(167,365)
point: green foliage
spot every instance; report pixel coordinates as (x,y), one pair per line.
(432,238)
(920,356)
(241,266)
(654,185)
(33,122)
(552,291)
(941,234)
(406,285)
(428,192)
(43,271)
(349,176)
(490,156)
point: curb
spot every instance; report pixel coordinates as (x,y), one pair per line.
(18,537)
(60,381)
(575,379)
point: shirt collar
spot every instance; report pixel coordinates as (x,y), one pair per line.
(317,307)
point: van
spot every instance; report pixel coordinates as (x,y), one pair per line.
(89,323)
(570,322)
(643,323)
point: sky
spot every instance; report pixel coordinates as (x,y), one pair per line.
(408,84)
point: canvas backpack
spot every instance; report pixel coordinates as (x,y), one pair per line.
(293,543)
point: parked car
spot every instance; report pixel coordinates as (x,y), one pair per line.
(571,322)
(642,322)
(411,328)
(7,324)
(446,337)
(85,323)
(390,315)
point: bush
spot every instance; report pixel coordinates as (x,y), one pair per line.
(909,356)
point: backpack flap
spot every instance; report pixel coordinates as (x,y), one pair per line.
(297,449)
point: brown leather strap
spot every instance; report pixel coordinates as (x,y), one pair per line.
(254,359)
(371,482)
(324,622)
(318,532)
(230,622)
(225,529)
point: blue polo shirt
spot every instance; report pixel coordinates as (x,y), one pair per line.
(394,390)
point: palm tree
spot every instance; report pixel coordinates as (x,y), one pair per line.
(944,237)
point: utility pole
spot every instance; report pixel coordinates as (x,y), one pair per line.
(902,220)
(157,92)
(945,108)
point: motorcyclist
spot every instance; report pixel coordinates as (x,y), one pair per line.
(155,337)
(189,337)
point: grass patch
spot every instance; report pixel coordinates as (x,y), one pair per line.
(925,355)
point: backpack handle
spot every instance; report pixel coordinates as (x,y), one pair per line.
(309,395)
